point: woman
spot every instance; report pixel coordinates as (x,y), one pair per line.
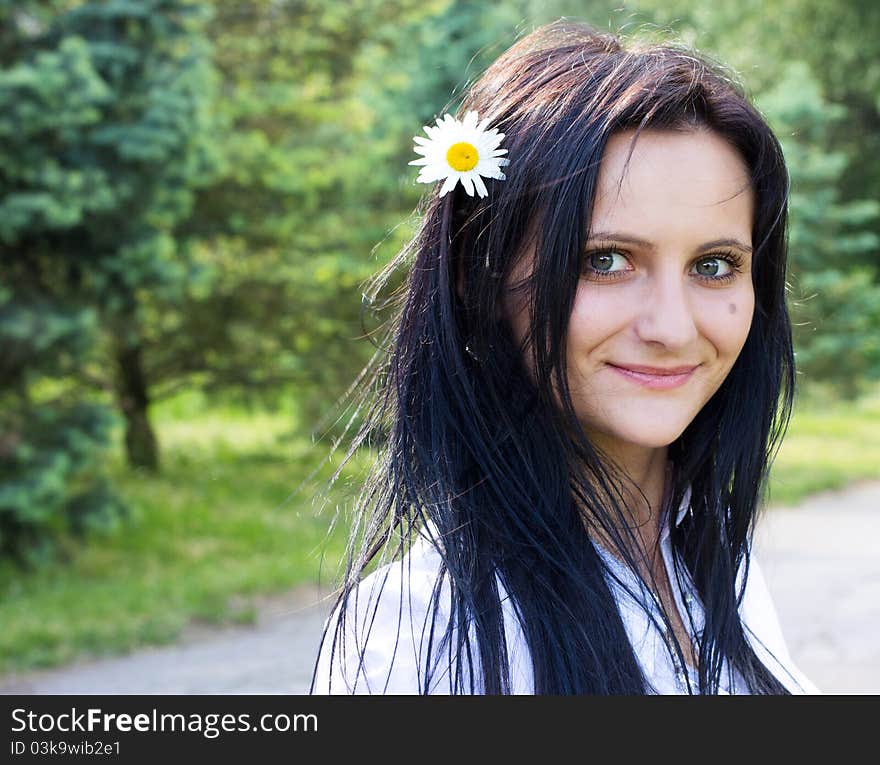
(589,371)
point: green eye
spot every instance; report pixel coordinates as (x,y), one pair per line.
(713,267)
(604,261)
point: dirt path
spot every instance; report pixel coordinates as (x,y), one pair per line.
(821,560)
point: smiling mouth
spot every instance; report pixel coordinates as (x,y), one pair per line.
(654,377)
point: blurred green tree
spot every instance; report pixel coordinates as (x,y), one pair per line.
(283,232)
(103,116)
(836,294)
(319,105)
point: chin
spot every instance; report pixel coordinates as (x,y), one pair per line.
(659,443)
(638,435)
(653,441)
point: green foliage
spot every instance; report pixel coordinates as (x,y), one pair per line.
(831,443)
(103,113)
(841,342)
(836,308)
(281,235)
(312,181)
(221,525)
(50,485)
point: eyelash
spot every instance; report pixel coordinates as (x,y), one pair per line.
(732,258)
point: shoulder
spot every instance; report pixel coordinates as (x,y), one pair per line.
(764,632)
(393,622)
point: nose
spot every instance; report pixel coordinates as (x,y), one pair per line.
(666,316)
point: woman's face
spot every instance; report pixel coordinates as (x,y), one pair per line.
(675,306)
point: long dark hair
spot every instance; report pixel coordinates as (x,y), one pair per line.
(480,451)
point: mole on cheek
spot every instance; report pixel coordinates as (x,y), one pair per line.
(732,308)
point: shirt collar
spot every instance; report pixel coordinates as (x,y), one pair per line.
(684,507)
(667,498)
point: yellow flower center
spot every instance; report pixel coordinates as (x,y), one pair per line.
(462,156)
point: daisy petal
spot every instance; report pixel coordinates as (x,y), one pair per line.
(449,184)
(489,171)
(430,174)
(481,187)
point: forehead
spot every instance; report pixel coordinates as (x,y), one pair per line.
(676,184)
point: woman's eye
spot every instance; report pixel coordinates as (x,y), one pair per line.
(713,267)
(604,262)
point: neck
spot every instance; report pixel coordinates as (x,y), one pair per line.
(646,470)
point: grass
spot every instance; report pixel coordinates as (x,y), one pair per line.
(219,526)
(829,444)
(216,528)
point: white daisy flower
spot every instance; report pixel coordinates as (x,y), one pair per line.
(460,151)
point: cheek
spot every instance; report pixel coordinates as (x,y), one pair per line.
(597,314)
(726,323)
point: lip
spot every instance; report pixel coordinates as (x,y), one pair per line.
(657,378)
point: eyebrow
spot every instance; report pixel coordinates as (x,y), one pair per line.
(726,242)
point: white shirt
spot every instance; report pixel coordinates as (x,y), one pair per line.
(397,639)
